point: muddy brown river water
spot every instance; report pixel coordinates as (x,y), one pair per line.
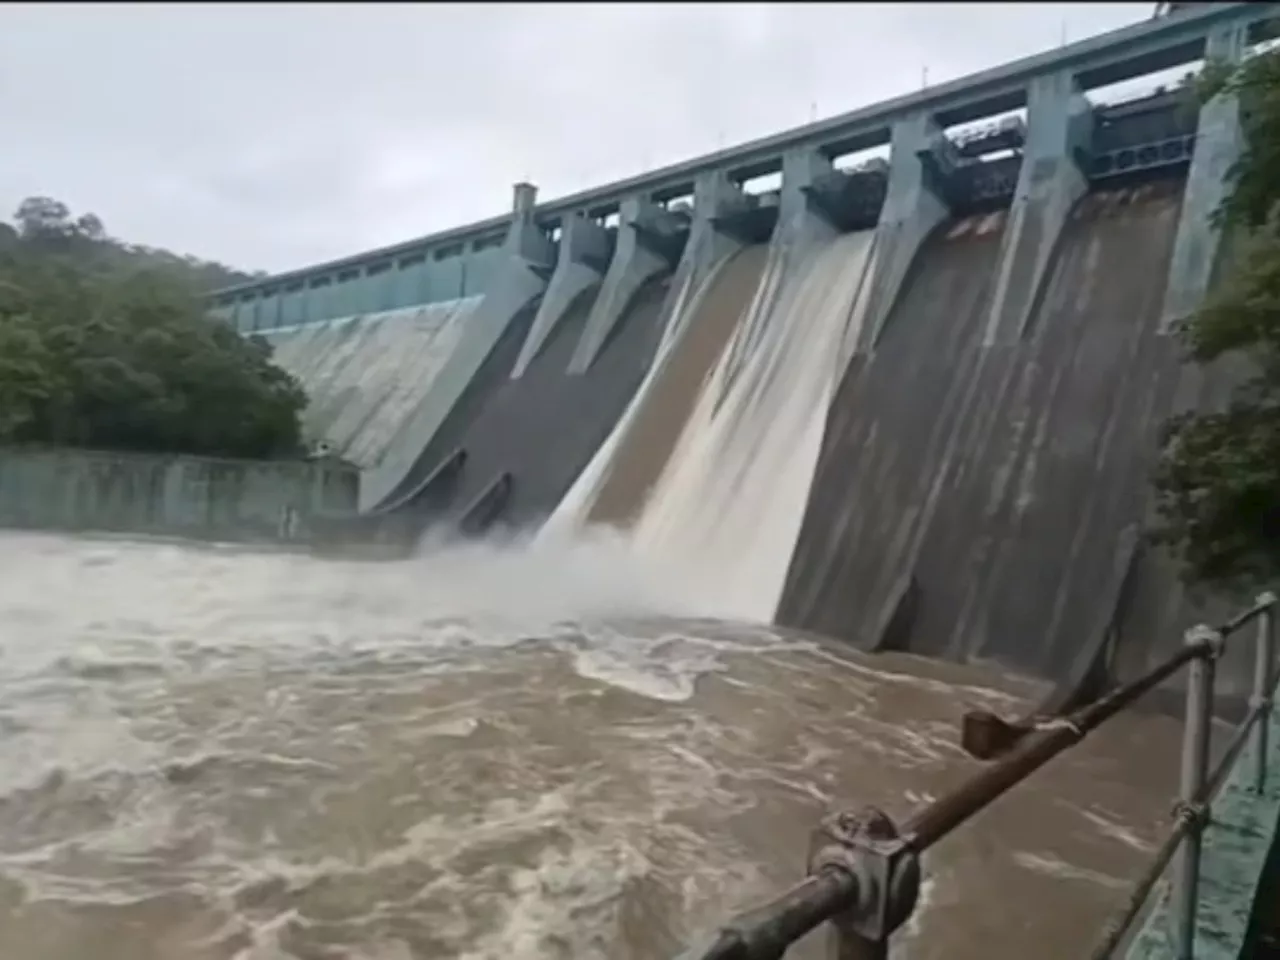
(515,754)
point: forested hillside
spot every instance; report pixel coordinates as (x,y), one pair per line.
(108,344)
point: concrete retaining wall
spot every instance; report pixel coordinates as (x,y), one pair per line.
(204,498)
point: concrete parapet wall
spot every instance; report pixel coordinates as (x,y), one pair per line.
(197,497)
(585,248)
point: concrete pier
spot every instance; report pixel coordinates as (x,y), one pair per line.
(1052,179)
(585,249)
(801,224)
(714,198)
(1218,145)
(801,227)
(913,206)
(646,247)
(528,259)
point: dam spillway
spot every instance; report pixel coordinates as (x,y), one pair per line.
(363,374)
(1020,463)
(726,510)
(990,411)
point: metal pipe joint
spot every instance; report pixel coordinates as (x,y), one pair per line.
(1213,641)
(885,869)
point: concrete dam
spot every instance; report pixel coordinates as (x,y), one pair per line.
(910,402)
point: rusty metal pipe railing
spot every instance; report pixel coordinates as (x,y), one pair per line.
(865,874)
(769,930)
(1050,738)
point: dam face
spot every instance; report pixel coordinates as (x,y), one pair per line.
(936,443)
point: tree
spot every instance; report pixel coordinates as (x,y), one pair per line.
(49,224)
(42,216)
(1218,478)
(107,346)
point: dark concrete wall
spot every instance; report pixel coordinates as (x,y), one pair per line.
(1055,447)
(643,453)
(1002,479)
(1158,607)
(891,429)
(543,426)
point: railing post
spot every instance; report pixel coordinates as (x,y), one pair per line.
(1262,681)
(1195,771)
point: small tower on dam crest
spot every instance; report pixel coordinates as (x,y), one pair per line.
(1172,9)
(524,198)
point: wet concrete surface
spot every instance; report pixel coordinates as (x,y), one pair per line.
(1005,480)
(544,426)
(653,434)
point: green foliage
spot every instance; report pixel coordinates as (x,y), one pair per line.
(109,346)
(1218,479)
(46,225)
(1252,200)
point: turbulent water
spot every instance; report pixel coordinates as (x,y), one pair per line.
(507,753)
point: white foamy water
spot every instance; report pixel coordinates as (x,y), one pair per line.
(727,510)
(498,753)
(566,520)
(365,375)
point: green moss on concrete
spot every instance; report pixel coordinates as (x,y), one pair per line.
(1236,846)
(198,497)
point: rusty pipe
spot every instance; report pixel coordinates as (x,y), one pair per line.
(1051,738)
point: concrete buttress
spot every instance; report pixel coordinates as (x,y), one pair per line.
(644,250)
(800,229)
(714,197)
(913,206)
(1052,179)
(585,247)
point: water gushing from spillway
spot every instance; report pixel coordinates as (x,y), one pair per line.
(638,444)
(726,512)
(494,753)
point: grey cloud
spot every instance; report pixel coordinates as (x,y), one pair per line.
(270,136)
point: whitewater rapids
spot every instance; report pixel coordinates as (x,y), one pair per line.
(514,753)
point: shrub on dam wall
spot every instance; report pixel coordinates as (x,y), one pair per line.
(108,346)
(1218,482)
(196,497)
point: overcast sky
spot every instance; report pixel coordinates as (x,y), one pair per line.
(273,136)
